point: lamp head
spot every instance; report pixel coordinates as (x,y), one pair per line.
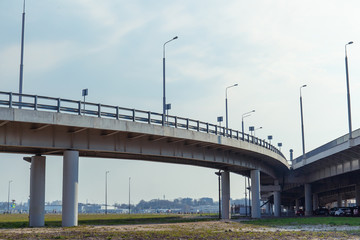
(176,37)
(304,85)
(235,84)
(350,43)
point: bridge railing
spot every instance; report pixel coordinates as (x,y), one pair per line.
(327,146)
(60,105)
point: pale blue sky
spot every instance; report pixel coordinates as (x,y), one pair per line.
(114,48)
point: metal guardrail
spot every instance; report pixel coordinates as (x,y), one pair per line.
(34,102)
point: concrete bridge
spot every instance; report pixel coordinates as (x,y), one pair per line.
(330,173)
(43,126)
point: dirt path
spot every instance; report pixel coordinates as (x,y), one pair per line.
(200,230)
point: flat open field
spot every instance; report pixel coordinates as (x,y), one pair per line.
(181,227)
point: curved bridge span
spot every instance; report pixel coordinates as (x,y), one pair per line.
(52,126)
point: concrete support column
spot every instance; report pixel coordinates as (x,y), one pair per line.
(255,194)
(339,200)
(277,204)
(308,200)
(315,201)
(268,208)
(297,207)
(70,189)
(37,192)
(291,210)
(357,195)
(225,186)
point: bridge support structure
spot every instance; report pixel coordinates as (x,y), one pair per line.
(339,200)
(357,194)
(277,204)
(37,192)
(315,201)
(70,189)
(297,205)
(225,186)
(308,199)
(255,193)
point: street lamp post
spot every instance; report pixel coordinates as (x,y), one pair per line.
(106,173)
(348,91)
(247,114)
(219,177)
(129,194)
(164,95)
(226,106)
(302,122)
(9,196)
(22,57)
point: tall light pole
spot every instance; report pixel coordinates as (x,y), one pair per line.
(348,91)
(9,196)
(164,95)
(106,173)
(247,114)
(302,122)
(129,194)
(22,56)
(226,106)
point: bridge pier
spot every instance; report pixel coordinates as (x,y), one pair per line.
(37,192)
(315,201)
(70,189)
(277,204)
(339,200)
(225,186)
(308,199)
(297,205)
(255,193)
(357,194)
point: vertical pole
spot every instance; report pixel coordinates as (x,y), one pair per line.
(70,189)
(164,98)
(106,173)
(302,126)
(84,104)
(129,195)
(242,128)
(248,179)
(9,196)
(348,94)
(226,110)
(219,179)
(22,56)
(245,199)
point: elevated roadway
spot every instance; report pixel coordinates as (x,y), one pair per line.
(52,126)
(330,173)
